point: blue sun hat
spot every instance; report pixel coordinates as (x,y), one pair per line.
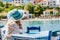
(15,15)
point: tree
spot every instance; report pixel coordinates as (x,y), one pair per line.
(11,7)
(21,7)
(58,8)
(6,5)
(1,9)
(6,10)
(29,7)
(38,10)
(1,4)
(58,14)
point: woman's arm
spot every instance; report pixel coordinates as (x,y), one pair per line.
(9,30)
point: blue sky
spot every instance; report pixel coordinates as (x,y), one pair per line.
(6,0)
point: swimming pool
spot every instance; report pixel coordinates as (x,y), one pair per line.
(53,25)
(2,23)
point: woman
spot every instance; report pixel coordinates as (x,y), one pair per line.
(14,25)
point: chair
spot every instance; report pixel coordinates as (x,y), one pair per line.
(55,33)
(33,28)
(0,32)
(3,31)
(1,26)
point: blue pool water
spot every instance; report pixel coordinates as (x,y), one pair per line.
(1,24)
(53,25)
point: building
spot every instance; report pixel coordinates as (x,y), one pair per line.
(27,1)
(38,1)
(53,3)
(48,12)
(50,3)
(19,2)
(26,14)
(43,3)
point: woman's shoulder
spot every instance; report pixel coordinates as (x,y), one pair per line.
(10,23)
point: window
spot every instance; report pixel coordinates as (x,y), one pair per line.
(34,2)
(54,13)
(15,0)
(19,0)
(42,4)
(12,0)
(25,12)
(50,4)
(54,4)
(53,1)
(22,0)
(46,13)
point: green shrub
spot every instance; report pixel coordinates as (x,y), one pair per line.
(11,7)
(1,16)
(1,9)
(6,10)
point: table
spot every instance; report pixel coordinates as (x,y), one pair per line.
(43,35)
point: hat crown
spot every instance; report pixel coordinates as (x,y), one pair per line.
(15,14)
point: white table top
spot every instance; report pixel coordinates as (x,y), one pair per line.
(41,34)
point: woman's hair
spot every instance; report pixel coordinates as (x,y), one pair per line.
(19,23)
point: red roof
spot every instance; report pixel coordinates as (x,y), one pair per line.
(39,0)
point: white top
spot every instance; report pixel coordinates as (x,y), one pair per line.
(14,28)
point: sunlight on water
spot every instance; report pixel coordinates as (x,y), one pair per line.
(45,25)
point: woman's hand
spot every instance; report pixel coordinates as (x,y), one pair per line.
(8,35)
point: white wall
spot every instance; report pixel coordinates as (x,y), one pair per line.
(46,13)
(57,3)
